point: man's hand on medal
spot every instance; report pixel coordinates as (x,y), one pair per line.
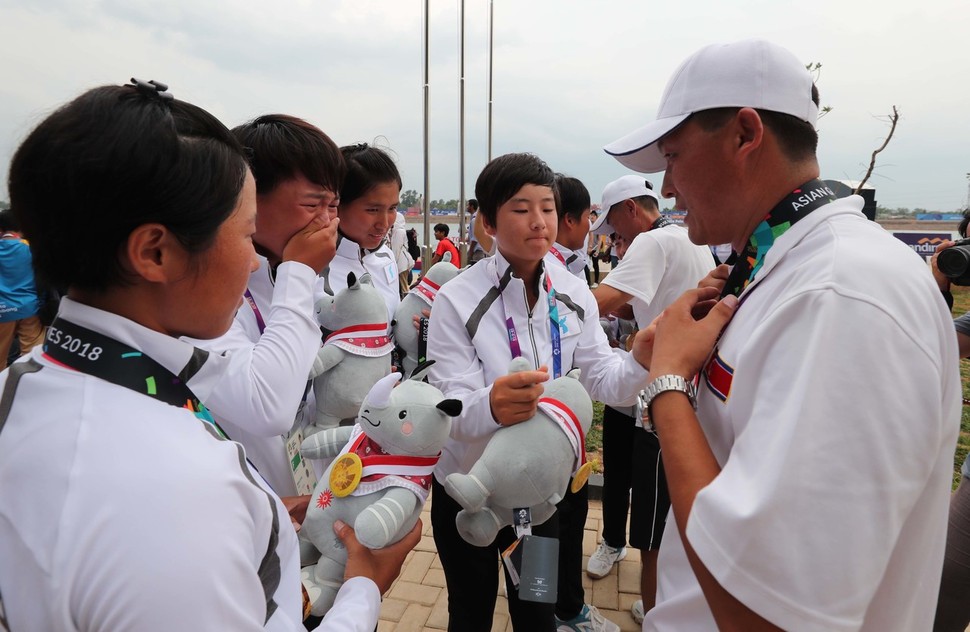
(687,331)
(716,278)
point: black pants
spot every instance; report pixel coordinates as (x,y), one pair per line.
(471,572)
(633,462)
(617,474)
(953,608)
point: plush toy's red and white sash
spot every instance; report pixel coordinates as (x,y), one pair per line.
(426,290)
(569,423)
(369,340)
(382,470)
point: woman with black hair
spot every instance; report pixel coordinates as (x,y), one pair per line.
(123,505)
(369,198)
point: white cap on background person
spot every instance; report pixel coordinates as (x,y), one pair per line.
(623,188)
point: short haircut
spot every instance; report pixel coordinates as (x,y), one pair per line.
(119,157)
(367,167)
(573,197)
(797,138)
(962,228)
(8,221)
(648,202)
(504,176)
(473,203)
(283,147)
(442,228)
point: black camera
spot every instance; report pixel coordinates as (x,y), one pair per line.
(954,262)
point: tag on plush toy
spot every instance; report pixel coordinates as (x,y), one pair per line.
(522,521)
(345,474)
(538,580)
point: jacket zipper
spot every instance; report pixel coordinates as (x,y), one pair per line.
(532,337)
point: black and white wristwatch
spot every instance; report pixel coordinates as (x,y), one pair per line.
(663,384)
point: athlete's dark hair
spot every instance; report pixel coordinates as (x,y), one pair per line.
(111,160)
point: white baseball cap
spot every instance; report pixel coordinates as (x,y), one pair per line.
(749,73)
(623,188)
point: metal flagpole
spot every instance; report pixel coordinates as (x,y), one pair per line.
(426,205)
(462,238)
(491,31)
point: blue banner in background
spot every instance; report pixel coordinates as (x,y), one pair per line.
(939,217)
(923,242)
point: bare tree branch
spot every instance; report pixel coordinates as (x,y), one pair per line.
(893,119)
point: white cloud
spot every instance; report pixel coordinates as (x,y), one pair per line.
(570,75)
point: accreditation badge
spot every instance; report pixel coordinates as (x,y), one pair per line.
(304,478)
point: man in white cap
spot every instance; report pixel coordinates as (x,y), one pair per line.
(659,265)
(810,472)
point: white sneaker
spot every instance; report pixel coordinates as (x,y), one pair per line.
(588,620)
(603,559)
(637,610)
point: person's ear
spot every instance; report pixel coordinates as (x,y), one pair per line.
(489,228)
(153,253)
(748,130)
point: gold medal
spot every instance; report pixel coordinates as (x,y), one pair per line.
(580,477)
(345,474)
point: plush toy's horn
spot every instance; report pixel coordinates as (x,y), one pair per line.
(380,393)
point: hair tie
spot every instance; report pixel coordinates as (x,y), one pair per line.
(153,88)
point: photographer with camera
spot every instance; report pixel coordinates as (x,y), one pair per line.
(950,265)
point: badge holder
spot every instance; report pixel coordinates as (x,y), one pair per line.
(532,561)
(303,475)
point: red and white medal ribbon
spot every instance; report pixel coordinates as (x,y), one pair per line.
(426,290)
(382,470)
(569,423)
(370,340)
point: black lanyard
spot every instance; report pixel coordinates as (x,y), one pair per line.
(93,353)
(796,205)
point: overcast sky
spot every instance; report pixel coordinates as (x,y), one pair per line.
(569,75)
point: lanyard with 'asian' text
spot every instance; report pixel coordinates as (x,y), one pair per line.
(796,205)
(81,349)
(553,330)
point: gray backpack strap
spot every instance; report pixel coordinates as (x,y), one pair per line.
(14,374)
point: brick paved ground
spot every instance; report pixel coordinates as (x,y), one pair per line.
(418,600)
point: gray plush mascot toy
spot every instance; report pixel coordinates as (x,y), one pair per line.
(379,480)
(354,356)
(528,464)
(419,298)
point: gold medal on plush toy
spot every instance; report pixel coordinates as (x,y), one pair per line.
(580,477)
(345,474)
